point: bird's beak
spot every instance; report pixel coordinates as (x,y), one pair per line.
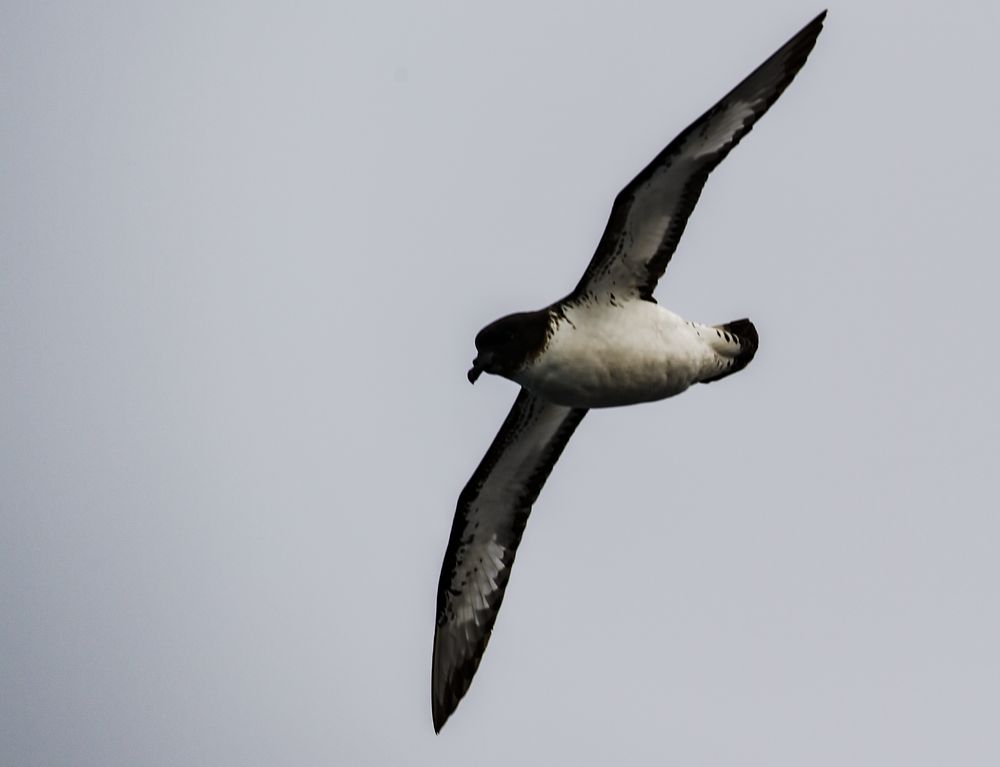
(475,371)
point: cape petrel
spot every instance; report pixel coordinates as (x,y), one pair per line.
(607,343)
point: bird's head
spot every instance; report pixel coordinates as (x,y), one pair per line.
(504,346)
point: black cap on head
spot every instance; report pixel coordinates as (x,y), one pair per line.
(505,345)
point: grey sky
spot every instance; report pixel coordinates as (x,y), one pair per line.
(244,250)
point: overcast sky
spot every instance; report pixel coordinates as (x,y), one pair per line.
(244,251)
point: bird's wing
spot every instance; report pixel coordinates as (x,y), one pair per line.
(492,511)
(649,215)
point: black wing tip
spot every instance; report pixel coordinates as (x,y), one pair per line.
(790,58)
(812,28)
(806,37)
(445,701)
(817,23)
(450,684)
(803,41)
(440,717)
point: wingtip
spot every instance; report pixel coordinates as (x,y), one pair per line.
(813,27)
(442,704)
(439,716)
(817,23)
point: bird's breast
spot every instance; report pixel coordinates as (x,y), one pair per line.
(615,355)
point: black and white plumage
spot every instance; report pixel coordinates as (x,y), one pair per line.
(606,344)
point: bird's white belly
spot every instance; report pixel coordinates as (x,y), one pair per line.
(617,355)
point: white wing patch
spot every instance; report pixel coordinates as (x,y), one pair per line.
(482,559)
(482,577)
(716,134)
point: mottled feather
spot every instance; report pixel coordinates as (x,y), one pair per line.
(492,511)
(649,215)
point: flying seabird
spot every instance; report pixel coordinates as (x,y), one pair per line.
(606,344)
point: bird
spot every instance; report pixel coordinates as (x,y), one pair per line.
(606,344)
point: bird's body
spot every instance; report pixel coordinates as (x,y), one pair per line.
(605,355)
(605,344)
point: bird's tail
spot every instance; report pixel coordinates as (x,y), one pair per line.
(736,345)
